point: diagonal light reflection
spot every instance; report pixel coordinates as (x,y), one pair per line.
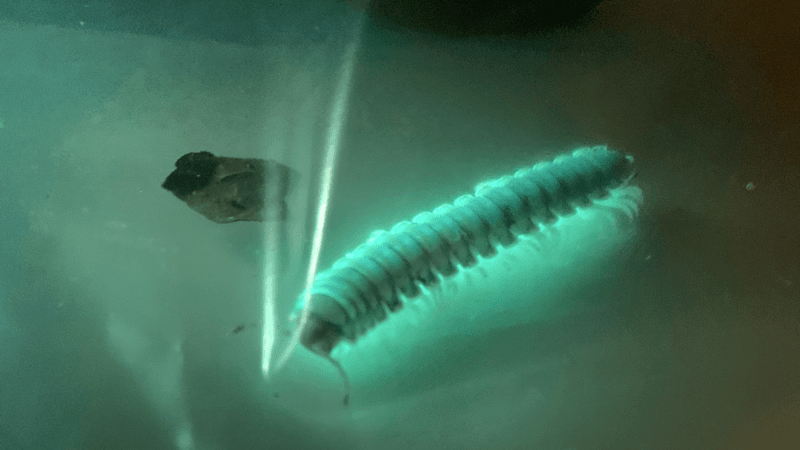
(333,142)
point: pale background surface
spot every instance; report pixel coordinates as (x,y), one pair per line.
(117,302)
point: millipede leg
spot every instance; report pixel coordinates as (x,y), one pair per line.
(345,379)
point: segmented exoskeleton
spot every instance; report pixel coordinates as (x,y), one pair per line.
(364,287)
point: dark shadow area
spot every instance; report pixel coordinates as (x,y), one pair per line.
(454,18)
(255,22)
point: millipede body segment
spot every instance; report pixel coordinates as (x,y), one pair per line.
(366,286)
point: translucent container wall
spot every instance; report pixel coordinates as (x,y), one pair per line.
(129,320)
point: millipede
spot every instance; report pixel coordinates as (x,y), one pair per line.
(362,289)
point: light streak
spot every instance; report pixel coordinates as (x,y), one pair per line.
(332,145)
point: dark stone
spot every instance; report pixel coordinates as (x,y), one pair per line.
(231,189)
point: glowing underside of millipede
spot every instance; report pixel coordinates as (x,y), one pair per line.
(492,241)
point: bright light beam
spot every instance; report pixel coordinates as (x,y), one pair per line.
(334,131)
(270,288)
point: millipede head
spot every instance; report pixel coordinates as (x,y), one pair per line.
(320,336)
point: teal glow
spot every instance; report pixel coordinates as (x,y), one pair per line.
(523,283)
(482,263)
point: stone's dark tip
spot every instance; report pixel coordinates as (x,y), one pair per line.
(194,171)
(194,158)
(183,184)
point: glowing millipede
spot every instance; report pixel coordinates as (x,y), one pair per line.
(364,287)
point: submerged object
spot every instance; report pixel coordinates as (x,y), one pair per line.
(393,268)
(228,190)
